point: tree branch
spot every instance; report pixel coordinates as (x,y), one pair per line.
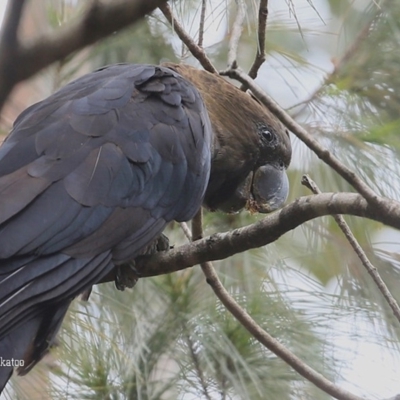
(237,29)
(196,50)
(271,343)
(197,367)
(202,22)
(342,62)
(323,153)
(223,245)
(307,181)
(186,230)
(197,226)
(260,334)
(262,27)
(100,20)
(197,233)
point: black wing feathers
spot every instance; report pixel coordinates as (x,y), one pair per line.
(17,190)
(88,178)
(122,136)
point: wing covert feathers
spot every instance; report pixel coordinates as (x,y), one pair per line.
(88,178)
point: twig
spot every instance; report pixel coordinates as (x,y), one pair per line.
(342,62)
(262,26)
(308,182)
(202,21)
(260,334)
(196,50)
(352,49)
(323,153)
(100,20)
(197,367)
(223,245)
(186,230)
(197,226)
(271,343)
(237,29)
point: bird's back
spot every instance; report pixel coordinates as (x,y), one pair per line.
(89,177)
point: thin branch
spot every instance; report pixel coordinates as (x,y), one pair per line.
(353,48)
(186,230)
(237,29)
(271,343)
(308,182)
(223,245)
(197,232)
(99,21)
(338,65)
(197,367)
(196,50)
(262,27)
(323,153)
(202,22)
(197,225)
(260,334)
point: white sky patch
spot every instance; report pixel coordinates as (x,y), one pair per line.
(3,4)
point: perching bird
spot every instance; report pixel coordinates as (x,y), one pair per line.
(90,176)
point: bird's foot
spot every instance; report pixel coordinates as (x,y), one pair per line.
(162,243)
(126,276)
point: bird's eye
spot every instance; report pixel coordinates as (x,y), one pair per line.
(267,135)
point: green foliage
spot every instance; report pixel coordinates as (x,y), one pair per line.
(170,338)
(372,73)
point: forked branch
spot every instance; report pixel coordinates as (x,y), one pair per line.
(194,48)
(223,245)
(371,269)
(260,334)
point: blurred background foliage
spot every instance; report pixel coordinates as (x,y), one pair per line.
(334,65)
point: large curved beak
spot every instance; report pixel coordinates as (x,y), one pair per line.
(270,189)
(264,190)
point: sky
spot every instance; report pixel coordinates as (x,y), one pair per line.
(370,369)
(3,4)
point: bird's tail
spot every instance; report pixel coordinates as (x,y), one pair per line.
(34,296)
(19,349)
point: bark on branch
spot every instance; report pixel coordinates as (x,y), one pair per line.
(99,21)
(371,269)
(223,245)
(259,333)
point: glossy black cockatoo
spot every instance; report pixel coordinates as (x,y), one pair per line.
(90,176)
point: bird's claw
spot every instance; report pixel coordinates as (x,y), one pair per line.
(162,243)
(126,276)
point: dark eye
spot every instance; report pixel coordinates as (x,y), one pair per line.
(267,135)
